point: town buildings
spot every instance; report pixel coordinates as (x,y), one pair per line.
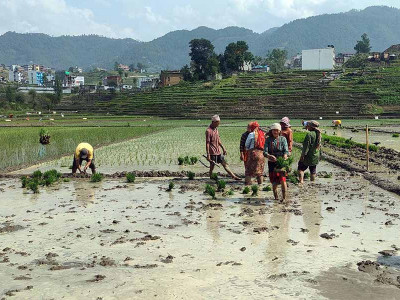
(318,59)
(169,78)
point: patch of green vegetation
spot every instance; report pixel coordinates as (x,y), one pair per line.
(130,177)
(191,175)
(187,160)
(40,179)
(246,190)
(210,190)
(396,135)
(214,176)
(254,189)
(171,186)
(267,188)
(293,178)
(328,175)
(221,184)
(307,175)
(97,177)
(231,192)
(284,164)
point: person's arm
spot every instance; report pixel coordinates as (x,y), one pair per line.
(270,157)
(208,146)
(87,165)
(290,141)
(222,147)
(306,146)
(285,148)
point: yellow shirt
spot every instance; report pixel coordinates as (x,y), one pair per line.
(86,146)
(337,122)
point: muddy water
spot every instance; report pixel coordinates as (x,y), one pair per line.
(80,240)
(385,139)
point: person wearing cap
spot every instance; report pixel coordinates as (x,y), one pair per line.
(337,123)
(214,146)
(311,151)
(276,146)
(255,163)
(84,152)
(287,132)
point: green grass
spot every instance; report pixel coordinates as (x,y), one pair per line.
(191,175)
(130,177)
(21,146)
(210,190)
(98,177)
(171,186)
(40,179)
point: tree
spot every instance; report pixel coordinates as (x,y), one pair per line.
(357,61)
(131,67)
(258,60)
(236,54)
(120,72)
(141,66)
(187,74)
(116,66)
(58,90)
(363,45)
(33,94)
(20,98)
(10,94)
(203,58)
(276,59)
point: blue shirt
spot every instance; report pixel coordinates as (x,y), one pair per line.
(276,147)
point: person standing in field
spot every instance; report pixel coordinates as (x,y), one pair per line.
(84,152)
(276,146)
(243,138)
(287,133)
(311,151)
(214,146)
(255,162)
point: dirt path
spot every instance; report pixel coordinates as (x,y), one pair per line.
(117,241)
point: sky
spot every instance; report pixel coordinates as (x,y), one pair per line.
(146,20)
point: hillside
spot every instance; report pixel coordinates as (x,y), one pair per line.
(171,51)
(297,94)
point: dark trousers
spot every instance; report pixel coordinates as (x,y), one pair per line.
(75,166)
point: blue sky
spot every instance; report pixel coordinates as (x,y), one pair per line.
(148,19)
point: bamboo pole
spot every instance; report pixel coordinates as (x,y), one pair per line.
(367,143)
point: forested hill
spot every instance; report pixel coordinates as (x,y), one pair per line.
(381,23)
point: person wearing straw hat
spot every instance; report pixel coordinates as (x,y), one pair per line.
(84,152)
(276,146)
(287,132)
(214,146)
(311,151)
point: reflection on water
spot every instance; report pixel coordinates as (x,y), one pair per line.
(277,241)
(311,208)
(84,193)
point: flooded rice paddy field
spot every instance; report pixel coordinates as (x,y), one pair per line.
(111,240)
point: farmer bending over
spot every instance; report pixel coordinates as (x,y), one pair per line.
(213,148)
(84,151)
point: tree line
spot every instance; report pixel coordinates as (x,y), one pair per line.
(205,63)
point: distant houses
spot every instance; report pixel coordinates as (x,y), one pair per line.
(169,78)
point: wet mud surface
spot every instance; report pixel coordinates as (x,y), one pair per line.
(113,240)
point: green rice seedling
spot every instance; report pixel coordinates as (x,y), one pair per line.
(24,181)
(396,135)
(246,190)
(307,175)
(181,160)
(186,160)
(231,192)
(214,176)
(329,175)
(191,175)
(210,191)
(171,186)
(221,184)
(66,180)
(130,177)
(37,174)
(254,189)
(33,185)
(267,188)
(49,177)
(193,160)
(285,164)
(97,177)
(293,179)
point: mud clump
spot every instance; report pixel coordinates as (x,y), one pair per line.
(148,266)
(382,274)
(167,260)
(97,278)
(10,228)
(107,262)
(328,236)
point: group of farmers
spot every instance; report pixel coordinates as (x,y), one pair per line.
(257,144)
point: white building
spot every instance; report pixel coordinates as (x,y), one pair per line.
(318,59)
(15,76)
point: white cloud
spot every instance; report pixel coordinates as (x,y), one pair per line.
(53,17)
